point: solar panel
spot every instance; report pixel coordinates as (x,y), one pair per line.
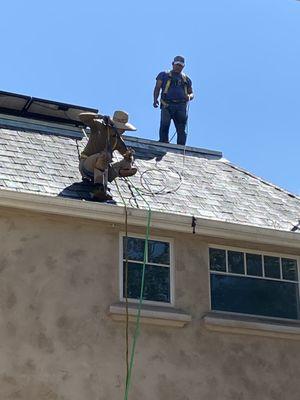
(56,111)
(12,102)
(46,110)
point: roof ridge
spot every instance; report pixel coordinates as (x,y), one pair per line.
(238,168)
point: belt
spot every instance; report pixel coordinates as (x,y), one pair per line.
(167,102)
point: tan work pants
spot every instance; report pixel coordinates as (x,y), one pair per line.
(97,164)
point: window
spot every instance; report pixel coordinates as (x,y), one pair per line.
(158,271)
(254,283)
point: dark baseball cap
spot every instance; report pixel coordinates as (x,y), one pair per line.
(179,60)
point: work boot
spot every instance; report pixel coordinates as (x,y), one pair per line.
(127,172)
(100,194)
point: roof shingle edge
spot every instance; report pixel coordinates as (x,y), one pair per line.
(138,217)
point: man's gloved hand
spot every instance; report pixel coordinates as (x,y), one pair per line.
(155,104)
(107,120)
(189,97)
(128,155)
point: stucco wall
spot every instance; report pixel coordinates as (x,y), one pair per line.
(58,277)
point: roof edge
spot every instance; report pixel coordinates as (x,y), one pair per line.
(173,147)
(264,181)
(33,125)
(173,222)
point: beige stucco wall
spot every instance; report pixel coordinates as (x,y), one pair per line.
(58,277)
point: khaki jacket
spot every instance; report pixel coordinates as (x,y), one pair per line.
(102,138)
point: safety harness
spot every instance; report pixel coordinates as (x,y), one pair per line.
(167,87)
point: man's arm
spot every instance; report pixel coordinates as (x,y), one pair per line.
(121,146)
(126,152)
(156,92)
(190,93)
(89,119)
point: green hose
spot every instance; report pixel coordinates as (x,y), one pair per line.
(138,317)
(137,326)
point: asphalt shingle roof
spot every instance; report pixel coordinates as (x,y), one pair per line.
(193,183)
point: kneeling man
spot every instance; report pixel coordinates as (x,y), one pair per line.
(96,159)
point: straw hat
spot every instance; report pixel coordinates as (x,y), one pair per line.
(120,119)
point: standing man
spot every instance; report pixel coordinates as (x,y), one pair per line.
(176,91)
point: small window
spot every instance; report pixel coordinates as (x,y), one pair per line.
(289,269)
(157,284)
(254,264)
(266,285)
(236,262)
(272,267)
(217,258)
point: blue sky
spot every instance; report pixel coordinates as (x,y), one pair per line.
(242,55)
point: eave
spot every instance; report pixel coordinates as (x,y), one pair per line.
(138,217)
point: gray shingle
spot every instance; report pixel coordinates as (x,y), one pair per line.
(202,185)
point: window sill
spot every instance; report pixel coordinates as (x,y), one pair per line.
(155,315)
(248,325)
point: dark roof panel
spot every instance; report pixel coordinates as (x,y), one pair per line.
(41,109)
(12,103)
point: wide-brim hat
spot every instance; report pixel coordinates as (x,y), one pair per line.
(120,119)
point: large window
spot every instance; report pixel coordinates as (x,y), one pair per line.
(254,283)
(158,271)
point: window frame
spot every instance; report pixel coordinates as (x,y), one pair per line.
(262,254)
(171,267)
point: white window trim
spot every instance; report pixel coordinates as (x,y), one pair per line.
(252,251)
(247,250)
(244,324)
(261,253)
(154,315)
(171,266)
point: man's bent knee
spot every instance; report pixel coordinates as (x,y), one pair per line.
(101,161)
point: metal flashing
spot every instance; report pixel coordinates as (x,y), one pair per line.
(31,125)
(174,148)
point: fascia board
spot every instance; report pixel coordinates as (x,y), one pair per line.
(138,217)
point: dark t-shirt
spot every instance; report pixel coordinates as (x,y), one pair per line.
(176,90)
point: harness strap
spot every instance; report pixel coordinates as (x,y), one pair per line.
(169,81)
(168,84)
(184,77)
(83,156)
(164,103)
